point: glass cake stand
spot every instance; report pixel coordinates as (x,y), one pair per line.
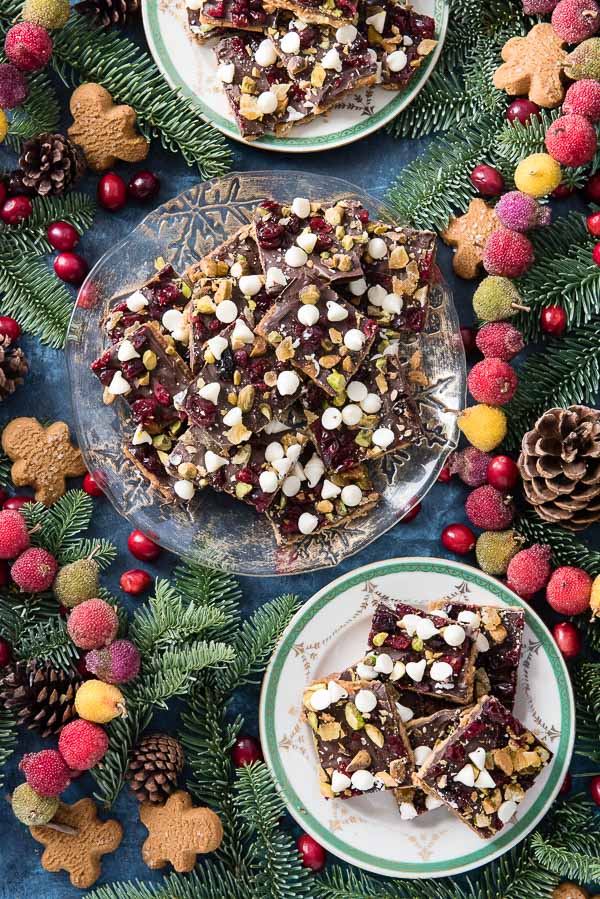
(218,530)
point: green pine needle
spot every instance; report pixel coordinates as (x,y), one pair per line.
(30,236)
(29,292)
(39,113)
(5,467)
(123,734)
(102,551)
(59,526)
(574,858)
(8,739)
(211,880)
(49,641)
(173,672)
(586,681)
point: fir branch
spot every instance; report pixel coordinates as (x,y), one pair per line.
(211,588)
(5,467)
(28,292)
(30,236)
(575,857)
(123,734)
(167,621)
(564,274)
(211,880)
(102,551)
(21,611)
(567,373)
(566,548)
(49,640)
(67,518)
(515,140)
(40,112)
(431,188)
(255,641)
(8,739)
(174,672)
(586,681)
(278,871)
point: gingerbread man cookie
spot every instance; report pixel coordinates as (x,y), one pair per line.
(178,832)
(533,65)
(42,457)
(106,132)
(80,854)
(469,233)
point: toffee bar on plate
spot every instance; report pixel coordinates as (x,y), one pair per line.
(159,299)
(483,770)
(401,37)
(423,652)
(245,15)
(316,332)
(411,706)
(378,415)
(359,737)
(145,369)
(424,735)
(325,12)
(500,643)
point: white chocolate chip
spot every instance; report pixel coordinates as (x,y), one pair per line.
(184,490)
(329,490)
(136,302)
(140,436)
(237,270)
(506,811)
(288,383)
(266,54)
(410,622)
(291,486)
(181,334)
(331,418)
(482,643)
(266,103)
(233,417)
(336,312)
(290,43)
(478,757)
(383,437)
(295,257)
(250,285)
(227,72)
(398,671)
(346,34)
(274,451)
(416,670)
(377,21)
(351,415)
(336,691)
(432,803)
(118,386)
(384,663)
(407,811)
(307,523)
(127,351)
(340,782)
(362,780)
(210,392)
(358,287)
(356,391)
(354,339)
(440,671)
(332,60)
(313,470)
(307,241)
(226,312)
(308,315)
(320,699)
(426,629)
(392,303)
(465,776)
(485,781)
(377,248)
(454,635)
(212,462)
(351,495)
(366,672)
(300,205)
(371,404)
(217,346)
(421,753)
(405,713)
(282,466)
(275,277)
(468,617)
(397,61)
(365,701)
(241,333)
(268,481)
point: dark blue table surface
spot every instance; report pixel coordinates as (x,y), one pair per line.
(373,164)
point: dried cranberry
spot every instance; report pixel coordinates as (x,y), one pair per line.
(144,410)
(455,752)
(218,479)
(238,45)
(132,369)
(308,37)
(215,12)
(384,621)
(170,293)
(296,94)
(319,224)
(455,662)
(241,358)
(101,362)
(363,216)
(324,242)
(415,319)
(272,206)
(369,327)
(311,339)
(246,475)
(148,457)
(161,393)
(214,325)
(138,339)
(473,730)
(257,370)
(269,235)
(201,410)
(399,641)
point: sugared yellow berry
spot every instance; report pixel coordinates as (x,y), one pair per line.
(595,597)
(47,13)
(538,175)
(483,426)
(99,702)
(3,125)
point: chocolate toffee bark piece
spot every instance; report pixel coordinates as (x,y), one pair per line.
(424,735)
(161,299)
(500,643)
(401,37)
(240,389)
(359,737)
(257,86)
(244,15)
(147,459)
(424,652)
(324,12)
(377,415)
(202,32)
(312,329)
(145,369)
(308,239)
(397,265)
(325,64)
(312,500)
(226,284)
(483,770)
(252,473)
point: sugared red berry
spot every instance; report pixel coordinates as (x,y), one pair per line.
(63,236)
(135,581)
(246,750)
(502,473)
(91,485)
(9,327)
(553,320)
(28,46)
(112,192)
(16,210)
(143,186)
(568,639)
(488,180)
(312,853)
(71,267)
(458,538)
(142,547)
(522,110)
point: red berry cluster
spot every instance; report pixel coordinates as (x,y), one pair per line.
(113,193)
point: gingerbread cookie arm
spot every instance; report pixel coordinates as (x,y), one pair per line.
(72,460)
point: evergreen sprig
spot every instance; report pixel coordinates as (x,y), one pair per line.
(123,734)
(173,672)
(5,466)
(586,681)
(30,236)
(211,880)
(8,738)
(49,641)
(567,373)
(567,549)
(40,112)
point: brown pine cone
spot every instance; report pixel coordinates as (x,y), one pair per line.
(108,12)
(50,164)
(13,367)
(560,466)
(154,767)
(41,698)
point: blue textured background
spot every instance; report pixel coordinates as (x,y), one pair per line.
(372,164)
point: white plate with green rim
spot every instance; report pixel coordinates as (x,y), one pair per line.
(191,68)
(329,633)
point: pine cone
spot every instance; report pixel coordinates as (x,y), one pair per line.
(51,163)
(154,766)
(108,12)
(13,367)
(560,466)
(41,697)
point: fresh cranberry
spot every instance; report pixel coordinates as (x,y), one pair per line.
(487,180)
(553,320)
(143,186)
(9,327)
(4,573)
(135,581)
(16,210)
(112,192)
(411,514)
(502,473)
(142,547)
(246,750)
(16,503)
(595,789)
(593,224)
(91,485)
(592,189)
(596,254)
(62,236)
(568,639)
(445,474)
(522,109)
(468,336)
(71,267)
(458,538)
(312,853)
